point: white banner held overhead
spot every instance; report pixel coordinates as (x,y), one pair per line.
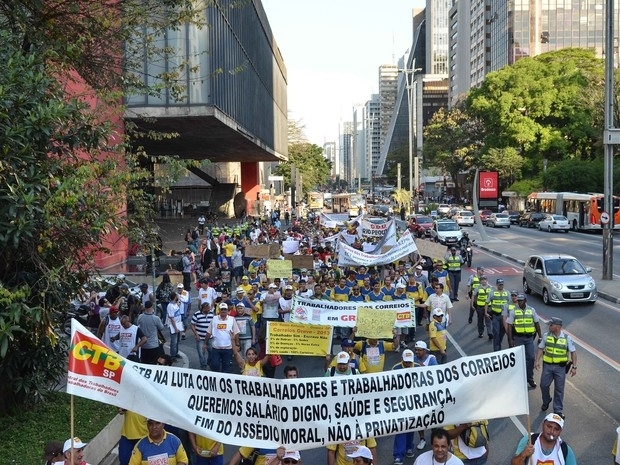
(348,256)
(374,230)
(303,413)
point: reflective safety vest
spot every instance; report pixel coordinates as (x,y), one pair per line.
(483,293)
(475,282)
(454,263)
(498,300)
(524,321)
(556,349)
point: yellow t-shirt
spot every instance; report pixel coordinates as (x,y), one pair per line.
(441,336)
(249,370)
(361,365)
(134,425)
(374,357)
(229,248)
(345,448)
(266,459)
(206,443)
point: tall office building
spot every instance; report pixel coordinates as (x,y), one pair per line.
(388,76)
(330,153)
(501,32)
(345,150)
(372,135)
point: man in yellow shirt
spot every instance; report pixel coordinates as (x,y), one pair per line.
(437,335)
(372,351)
(338,454)
(208,451)
(157,443)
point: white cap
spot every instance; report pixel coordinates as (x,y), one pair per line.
(401,286)
(292,454)
(555,418)
(288,288)
(272,285)
(180,286)
(223,306)
(342,357)
(419,267)
(240,304)
(77,444)
(408,355)
(437,312)
(363,452)
(421,345)
(240,289)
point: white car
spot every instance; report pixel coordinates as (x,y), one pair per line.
(498,220)
(554,223)
(464,218)
(443,209)
(446,232)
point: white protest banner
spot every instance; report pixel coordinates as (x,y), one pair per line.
(348,256)
(388,240)
(370,229)
(327,312)
(302,413)
(290,246)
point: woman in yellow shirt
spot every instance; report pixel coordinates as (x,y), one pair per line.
(251,366)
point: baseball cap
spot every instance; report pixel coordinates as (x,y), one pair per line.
(288,288)
(244,277)
(499,281)
(421,345)
(452,248)
(113,309)
(520,296)
(555,418)
(272,285)
(77,444)
(144,286)
(347,343)
(342,357)
(304,270)
(483,277)
(292,454)
(407,355)
(437,312)
(418,267)
(240,289)
(401,286)
(241,304)
(361,451)
(555,321)
(480,268)
(180,286)
(223,306)
(514,292)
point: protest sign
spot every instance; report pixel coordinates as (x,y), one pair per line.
(262,251)
(349,256)
(376,324)
(302,413)
(431,249)
(279,269)
(290,246)
(375,230)
(296,339)
(344,314)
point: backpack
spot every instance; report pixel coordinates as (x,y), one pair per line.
(332,371)
(179,265)
(477,435)
(563,445)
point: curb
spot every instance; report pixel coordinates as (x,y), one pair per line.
(603,295)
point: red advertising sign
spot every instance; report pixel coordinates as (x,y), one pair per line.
(488,185)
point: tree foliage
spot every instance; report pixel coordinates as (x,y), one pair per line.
(309,160)
(66,173)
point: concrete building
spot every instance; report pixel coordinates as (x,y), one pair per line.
(345,150)
(330,152)
(232,111)
(388,76)
(372,136)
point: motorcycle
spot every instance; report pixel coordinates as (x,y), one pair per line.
(466,253)
(79,312)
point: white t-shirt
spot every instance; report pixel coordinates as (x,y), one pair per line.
(270,304)
(174,313)
(286,305)
(427,459)
(220,331)
(207,295)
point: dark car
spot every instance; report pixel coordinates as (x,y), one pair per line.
(380,210)
(514,216)
(531,219)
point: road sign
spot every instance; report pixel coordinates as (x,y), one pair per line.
(604,217)
(275,178)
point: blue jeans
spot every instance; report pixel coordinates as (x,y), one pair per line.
(221,360)
(125,447)
(402,443)
(498,332)
(202,353)
(174,343)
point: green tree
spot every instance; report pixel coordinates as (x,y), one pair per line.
(309,160)
(563,176)
(507,162)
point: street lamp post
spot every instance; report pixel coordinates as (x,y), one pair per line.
(414,166)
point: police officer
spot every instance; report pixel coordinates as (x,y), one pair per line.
(496,302)
(554,348)
(472,285)
(479,302)
(455,263)
(522,325)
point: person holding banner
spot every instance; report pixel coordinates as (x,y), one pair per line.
(360,452)
(372,352)
(403,442)
(156,444)
(251,365)
(258,456)
(440,453)
(342,367)
(545,447)
(206,451)
(354,360)
(474,451)
(73,452)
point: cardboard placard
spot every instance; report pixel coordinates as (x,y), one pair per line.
(301,261)
(431,249)
(263,251)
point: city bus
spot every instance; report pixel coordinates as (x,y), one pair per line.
(354,204)
(582,210)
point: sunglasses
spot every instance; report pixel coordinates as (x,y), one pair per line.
(293,461)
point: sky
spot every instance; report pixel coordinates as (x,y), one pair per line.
(332,51)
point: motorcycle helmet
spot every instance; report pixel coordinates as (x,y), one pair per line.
(120,278)
(465,234)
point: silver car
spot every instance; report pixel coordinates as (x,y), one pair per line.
(498,220)
(554,223)
(559,278)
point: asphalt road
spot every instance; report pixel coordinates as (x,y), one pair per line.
(591,406)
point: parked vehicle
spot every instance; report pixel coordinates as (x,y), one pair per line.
(498,220)
(514,216)
(446,232)
(79,313)
(530,219)
(559,278)
(554,223)
(464,218)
